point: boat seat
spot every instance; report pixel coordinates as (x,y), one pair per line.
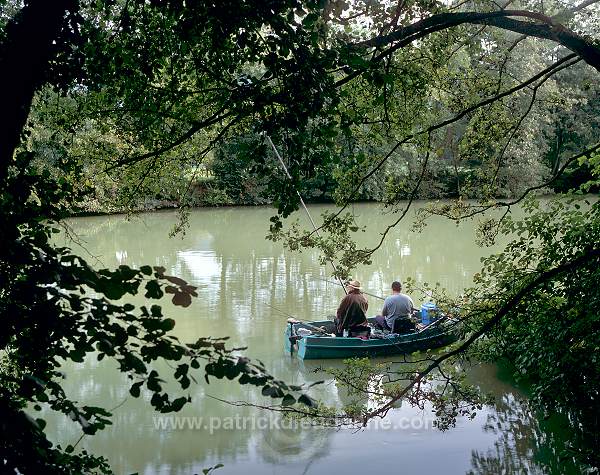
(360,332)
(403,325)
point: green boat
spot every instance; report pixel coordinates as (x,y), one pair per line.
(321,345)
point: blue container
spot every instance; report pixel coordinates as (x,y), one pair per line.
(429,313)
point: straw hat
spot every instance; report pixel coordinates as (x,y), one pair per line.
(354,284)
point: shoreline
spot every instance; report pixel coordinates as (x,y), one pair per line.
(172,206)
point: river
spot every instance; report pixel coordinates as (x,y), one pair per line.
(242,279)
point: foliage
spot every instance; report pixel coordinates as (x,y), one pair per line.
(551,338)
(64,128)
(231,167)
(365,386)
(363,99)
(57,308)
(533,306)
(188,111)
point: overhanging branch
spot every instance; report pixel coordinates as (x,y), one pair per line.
(502,311)
(546,73)
(196,127)
(536,25)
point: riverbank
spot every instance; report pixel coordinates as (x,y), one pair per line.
(205,196)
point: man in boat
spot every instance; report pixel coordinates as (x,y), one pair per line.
(352,313)
(396,312)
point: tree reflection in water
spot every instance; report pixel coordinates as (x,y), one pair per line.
(294,444)
(240,276)
(526,443)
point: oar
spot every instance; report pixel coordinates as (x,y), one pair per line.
(294,320)
(367,293)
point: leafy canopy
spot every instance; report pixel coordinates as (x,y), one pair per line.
(355,90)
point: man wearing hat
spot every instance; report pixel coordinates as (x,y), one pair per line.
(352,313)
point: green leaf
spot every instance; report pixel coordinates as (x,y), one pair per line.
(134,390)
(147,270)
(153,385)
(272,391)
(307,401)
(178,403)
(153,290)
(175,280)
(288,400)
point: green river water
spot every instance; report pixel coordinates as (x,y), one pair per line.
(240,278)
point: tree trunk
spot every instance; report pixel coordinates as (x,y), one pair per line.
(25,57)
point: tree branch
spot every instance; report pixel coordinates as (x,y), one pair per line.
(555,67)
(504,310)
(544,27)
(526,113)
(196,127)
(559,172)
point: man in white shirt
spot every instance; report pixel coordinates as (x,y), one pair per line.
(397,308)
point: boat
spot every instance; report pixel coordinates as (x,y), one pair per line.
(315,340)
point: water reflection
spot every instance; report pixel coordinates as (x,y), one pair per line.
(241,278)
(525,442)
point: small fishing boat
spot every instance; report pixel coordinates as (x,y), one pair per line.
(314,340)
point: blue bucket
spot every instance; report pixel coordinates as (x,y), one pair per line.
(429,312)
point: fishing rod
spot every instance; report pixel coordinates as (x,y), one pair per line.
(366,293)
(435,322)
(284,313)
(287,173)
(293,319)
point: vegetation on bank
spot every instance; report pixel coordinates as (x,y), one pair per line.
(229,174)
(113,103)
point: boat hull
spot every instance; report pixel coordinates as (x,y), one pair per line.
(326,347)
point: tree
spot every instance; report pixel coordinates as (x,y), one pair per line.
(291,69)
(47,312)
